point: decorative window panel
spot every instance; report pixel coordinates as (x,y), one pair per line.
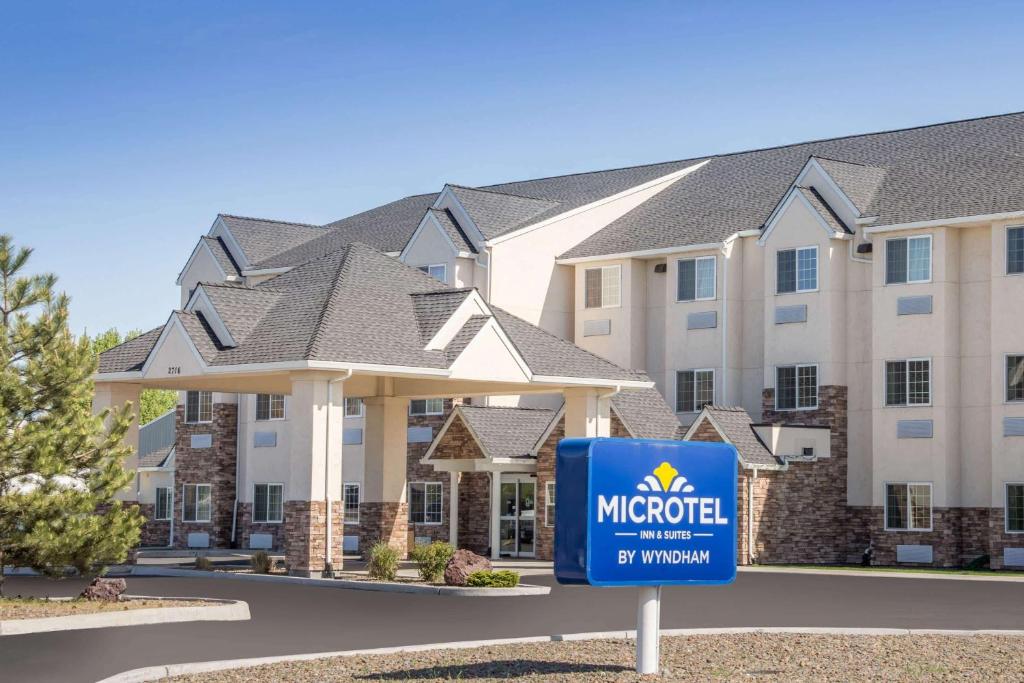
(201,441)
(914,305)
(261,541)
(597,328)
(264,439)
(420,434)
(918,554)
(352,436)
(1013,426)
(790,314)
(914,429)
(705,320)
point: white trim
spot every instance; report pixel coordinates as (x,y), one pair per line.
(796,265)
(812,163)
(647,253)
(268,484)
(908,404)
(665,179)
(794,191)
(591,382)
(451,327)
(170,505)
(266,271)
(615,411)
(220,229)
(931,261)
(675,394)
(195,252)
(909,510)
(796,397)
(944,222)
(1006,507)
(444,429)
(440,485)
(200,302)
(448,200)
(695,259)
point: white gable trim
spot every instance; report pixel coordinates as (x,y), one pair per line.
(665,179)
(427,220)
(202,245)
(220,229)
(547,430)
(794,194)
(493,324)
(812,164)
(200,302)
(704,414)
(448,200)
(472,305)
(172,323)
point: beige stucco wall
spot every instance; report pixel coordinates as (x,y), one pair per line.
(1007,337)
(202,269)
(430,247)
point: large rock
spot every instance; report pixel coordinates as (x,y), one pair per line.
(106,590)
(462,564)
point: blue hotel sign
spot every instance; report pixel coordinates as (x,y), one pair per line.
(637,512)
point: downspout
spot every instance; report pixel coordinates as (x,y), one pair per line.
(751,555)
(238,452)
(725,325)
(601,397)
(329,526)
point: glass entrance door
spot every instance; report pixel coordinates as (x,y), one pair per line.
(517,509)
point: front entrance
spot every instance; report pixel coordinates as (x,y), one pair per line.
(517,507)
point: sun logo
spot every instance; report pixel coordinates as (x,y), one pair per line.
(667,479)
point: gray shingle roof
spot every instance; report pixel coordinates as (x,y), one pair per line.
(646,414)
(156,458)
(361,306)
(822,208)
(386,228)
(132,354)
(223,256)
(261,238)
(464,336)
(496,213)
(932,172)
(453,230)
(506,432)
(858,182)
(738,428)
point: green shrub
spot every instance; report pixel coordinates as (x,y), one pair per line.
(383,562)
(260,562)
(203,563)
(432,559)
(505,578)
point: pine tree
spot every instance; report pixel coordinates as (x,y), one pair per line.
(60,466)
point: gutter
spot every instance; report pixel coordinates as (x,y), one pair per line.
(751,555)
(725,324)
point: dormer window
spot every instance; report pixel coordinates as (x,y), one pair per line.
(796,270)
(437,271)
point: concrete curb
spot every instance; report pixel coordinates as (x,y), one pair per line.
(157,673)
(457,591)
(768,569)
(218,610)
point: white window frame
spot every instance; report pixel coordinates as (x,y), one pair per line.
(1006,507)
(931,260)
(796,265)
(270,408)
(714,389)
(344,501)
(184,499)
(714,279)
(426,484)
(170,504)
(908,404)
(426,407)
(268,484)
(549,503)
(1007,252)
(199,408)
(910,515)
(362,407)
(618,279)
(444,271)
(1006,379)
(817,386)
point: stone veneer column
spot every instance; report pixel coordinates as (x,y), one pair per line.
(214,465)
(384,512)
(417,471)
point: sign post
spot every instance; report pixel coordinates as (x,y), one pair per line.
(639,512)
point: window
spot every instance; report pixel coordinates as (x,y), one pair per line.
(438,272)
(351,498)
(198,406)
(601,287)
(796,270)
(198,503)
(425,502)
(796,387)
(908,259)
(164,503)
(908,507)
(549,503)
(694,390)
(353,407)
(1015,508)
(426,406)
(1015,251)
(908,382)
(1015,378)
(269,406)
(696,279)
(268,502)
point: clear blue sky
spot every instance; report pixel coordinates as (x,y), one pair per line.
(126,127)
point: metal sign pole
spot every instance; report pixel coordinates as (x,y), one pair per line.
(648,623)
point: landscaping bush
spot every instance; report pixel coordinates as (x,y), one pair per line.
(383,562)
(432,559)
(260,562)
(203,563)
(505,578)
